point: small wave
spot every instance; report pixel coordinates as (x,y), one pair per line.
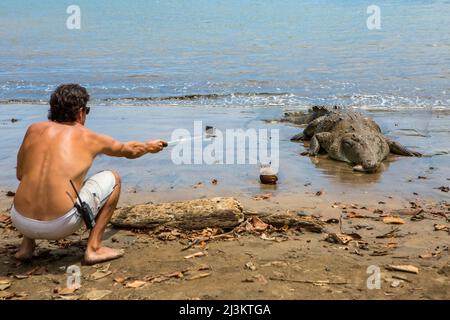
(189,97)
(23,101)
(280,99)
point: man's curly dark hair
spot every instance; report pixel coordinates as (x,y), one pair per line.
(66,101)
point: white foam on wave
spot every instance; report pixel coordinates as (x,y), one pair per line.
(381,102)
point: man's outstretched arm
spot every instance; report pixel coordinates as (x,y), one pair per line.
(130,150)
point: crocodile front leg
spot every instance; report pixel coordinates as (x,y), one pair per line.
(319,141)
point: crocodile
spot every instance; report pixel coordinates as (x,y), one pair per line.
(346,135)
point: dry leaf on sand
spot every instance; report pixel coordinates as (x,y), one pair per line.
(97,294)
(342,238)
(393,220)
(159,279)
(258,224)
(441,227)
(176,274)
(203,267)
(99,275)
(66,291)
(199,276)
(197,254)
(251,266)
(136,284)
(403,268)
(37,271)
(4,284)
(265,237)
(355,215)
(4,295)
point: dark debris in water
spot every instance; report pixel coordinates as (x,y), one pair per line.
(444,189)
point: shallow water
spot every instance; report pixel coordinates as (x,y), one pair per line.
(157,173)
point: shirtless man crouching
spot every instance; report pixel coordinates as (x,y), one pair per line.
(58,151)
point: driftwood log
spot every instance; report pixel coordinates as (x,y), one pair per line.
(217,212)
(225,213)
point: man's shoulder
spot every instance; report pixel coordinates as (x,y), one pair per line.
(88,133)
(90,136)
(38,126)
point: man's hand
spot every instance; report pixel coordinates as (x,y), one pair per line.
(155,146)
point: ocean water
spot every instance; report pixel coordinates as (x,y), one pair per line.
(229,53)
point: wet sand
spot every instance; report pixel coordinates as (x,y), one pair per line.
(401,184)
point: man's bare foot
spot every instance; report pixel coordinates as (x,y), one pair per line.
(102,254)
(26,249)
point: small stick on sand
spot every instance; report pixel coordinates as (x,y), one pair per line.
(317,282)
(199,240)
(390,234)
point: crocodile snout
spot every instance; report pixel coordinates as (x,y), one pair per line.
(370,166)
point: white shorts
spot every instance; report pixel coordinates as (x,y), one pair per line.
(95,192)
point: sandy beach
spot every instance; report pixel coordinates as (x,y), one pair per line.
(281,264)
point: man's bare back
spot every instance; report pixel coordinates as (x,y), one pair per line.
(51,155)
